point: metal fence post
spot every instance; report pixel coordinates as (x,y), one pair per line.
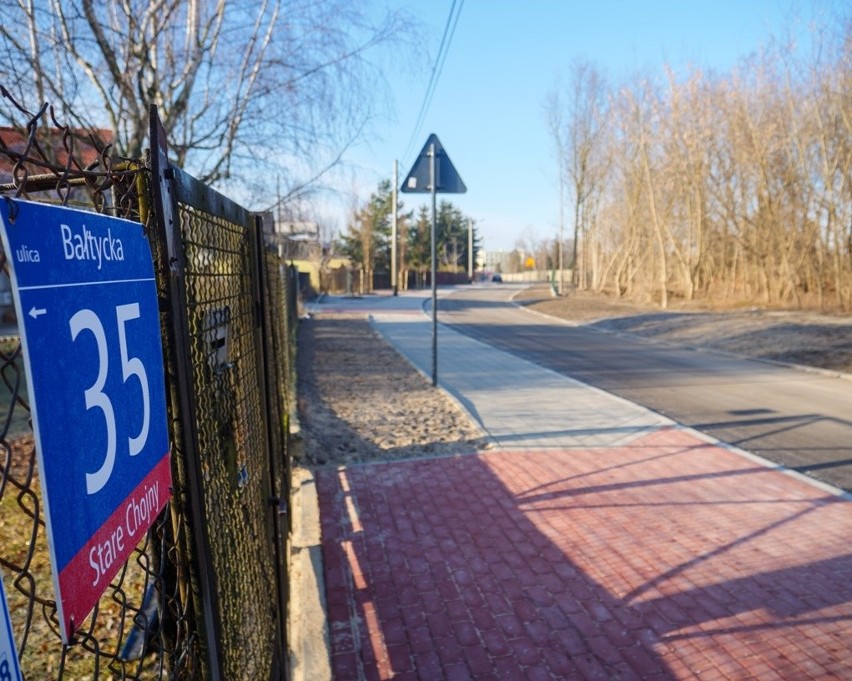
(178,345)
(267,362)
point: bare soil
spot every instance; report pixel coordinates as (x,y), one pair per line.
(359,400)
(806,338)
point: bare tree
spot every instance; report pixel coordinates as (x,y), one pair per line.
(270,83)
(554,113)
(733,186)
(829,110)
(576,121)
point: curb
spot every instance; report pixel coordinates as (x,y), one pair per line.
(308,643)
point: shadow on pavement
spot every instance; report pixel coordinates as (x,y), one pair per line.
(630,562)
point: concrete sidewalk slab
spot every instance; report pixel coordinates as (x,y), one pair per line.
(519,404)
(405,303)
(308,643)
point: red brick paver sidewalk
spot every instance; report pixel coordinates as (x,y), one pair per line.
(667,559)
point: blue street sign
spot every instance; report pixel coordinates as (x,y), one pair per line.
(86,301)
(10,668)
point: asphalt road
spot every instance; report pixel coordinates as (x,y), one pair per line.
(799,419)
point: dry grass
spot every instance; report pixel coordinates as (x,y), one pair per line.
(28,581)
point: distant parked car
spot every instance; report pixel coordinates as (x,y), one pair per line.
(497,279)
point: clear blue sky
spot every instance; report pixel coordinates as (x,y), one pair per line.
(505,57)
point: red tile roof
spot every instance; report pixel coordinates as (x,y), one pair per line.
(51,149)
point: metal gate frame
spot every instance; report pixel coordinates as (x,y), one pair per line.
(175,191)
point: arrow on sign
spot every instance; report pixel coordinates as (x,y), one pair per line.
(37,312)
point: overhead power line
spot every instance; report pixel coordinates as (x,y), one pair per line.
(438,66)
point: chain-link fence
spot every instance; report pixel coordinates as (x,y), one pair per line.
(204,595)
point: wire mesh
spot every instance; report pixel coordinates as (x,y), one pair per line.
(232,448)
(280,325)
(280,344)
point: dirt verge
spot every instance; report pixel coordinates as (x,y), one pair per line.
(360,400)
(798,337)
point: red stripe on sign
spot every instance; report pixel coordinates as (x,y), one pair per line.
(89,572)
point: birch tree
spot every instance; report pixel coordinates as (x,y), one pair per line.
(285,85)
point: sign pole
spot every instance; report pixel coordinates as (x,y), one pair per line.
(561,230)
(423,178)
(434,270)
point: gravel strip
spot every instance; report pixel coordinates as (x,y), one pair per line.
(360,400)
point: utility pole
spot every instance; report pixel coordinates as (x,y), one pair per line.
(470,250)
(394,272)
(561,227)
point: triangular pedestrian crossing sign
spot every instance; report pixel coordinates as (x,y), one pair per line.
(447,180)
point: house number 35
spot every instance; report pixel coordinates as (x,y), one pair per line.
(87,320)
